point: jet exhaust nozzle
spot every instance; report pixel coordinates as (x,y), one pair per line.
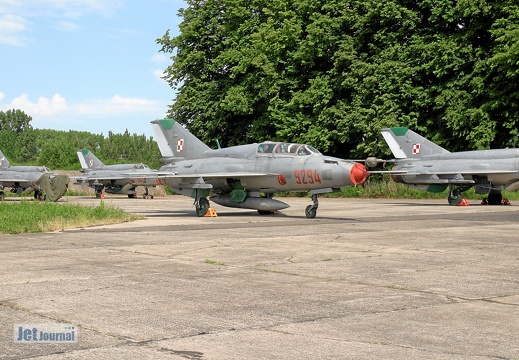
(256,203)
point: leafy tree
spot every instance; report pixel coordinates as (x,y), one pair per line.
(333,73)
(15,120)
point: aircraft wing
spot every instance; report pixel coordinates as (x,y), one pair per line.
(8,180)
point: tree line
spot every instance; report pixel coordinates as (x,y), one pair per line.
(332,73)
(21,143)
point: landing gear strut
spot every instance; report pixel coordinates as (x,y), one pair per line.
(311,210)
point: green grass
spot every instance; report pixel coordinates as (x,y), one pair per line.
(35,216)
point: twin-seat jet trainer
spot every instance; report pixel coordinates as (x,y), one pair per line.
(114,179)
(425,165)
(247,176)
(26,179)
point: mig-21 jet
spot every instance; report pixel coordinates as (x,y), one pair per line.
(247,176)
(422,164)
(114,179)
(28,179)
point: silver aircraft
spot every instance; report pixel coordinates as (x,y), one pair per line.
(247,176)
(28,179)
(114,179)
(424,165)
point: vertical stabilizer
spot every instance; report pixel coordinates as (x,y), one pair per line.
(176,141)
(4,163)
(405,143)
(88,160)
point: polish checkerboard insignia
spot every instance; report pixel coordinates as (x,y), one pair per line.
(416,149)
(180,145)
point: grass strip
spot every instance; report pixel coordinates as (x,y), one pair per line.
(35,216)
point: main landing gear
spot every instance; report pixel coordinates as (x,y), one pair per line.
(311,210)
(494,196)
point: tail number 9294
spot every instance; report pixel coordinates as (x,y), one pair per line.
(307,176)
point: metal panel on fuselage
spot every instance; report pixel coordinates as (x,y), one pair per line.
(22,179)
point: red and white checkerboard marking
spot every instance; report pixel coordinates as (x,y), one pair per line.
(180,145)
(416,149)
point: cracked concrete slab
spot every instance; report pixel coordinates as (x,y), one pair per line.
(365,279)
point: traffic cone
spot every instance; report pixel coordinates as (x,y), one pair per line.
(211,212)
(463,202)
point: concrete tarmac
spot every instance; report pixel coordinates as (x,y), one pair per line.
(366,279)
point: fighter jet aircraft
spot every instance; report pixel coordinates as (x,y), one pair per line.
(425,165)
(26,179)
(247,176)
(114,179)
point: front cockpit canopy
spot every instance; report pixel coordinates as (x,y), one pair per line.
(284,148)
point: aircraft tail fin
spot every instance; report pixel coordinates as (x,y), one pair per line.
(88,160)
(405,143)
(175,141)
(4,163)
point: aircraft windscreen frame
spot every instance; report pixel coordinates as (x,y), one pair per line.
(285,148)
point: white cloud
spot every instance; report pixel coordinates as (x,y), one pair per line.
(160,58)
(60,8)
(67,26)
(44,107)
(159,74)
(14,15)
(11,30)
(57,107)
(95,115)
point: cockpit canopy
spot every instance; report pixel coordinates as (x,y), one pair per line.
(284,148)
(140,166)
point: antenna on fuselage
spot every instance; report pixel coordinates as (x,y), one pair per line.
(218,144)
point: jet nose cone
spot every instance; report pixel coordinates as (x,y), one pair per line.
(358,174)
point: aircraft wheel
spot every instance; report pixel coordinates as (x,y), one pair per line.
(132,196)
(202,207)
(310,211)
(265,212)
(99,193)
(495,198)
(1,195)
(455,198)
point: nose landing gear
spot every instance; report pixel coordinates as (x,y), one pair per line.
(311,210)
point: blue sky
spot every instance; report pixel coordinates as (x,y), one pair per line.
(89,65)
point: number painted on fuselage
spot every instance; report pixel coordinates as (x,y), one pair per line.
(307,176)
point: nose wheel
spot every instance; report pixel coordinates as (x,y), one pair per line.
(311,210)
(201,206)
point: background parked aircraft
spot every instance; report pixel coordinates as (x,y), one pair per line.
(424,165)
(247,176)
(114,179)
(26,179)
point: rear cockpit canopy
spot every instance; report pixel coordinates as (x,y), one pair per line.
(141,166)
(284,148)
